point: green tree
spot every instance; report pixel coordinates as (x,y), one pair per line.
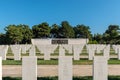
(41,31)
(14,34)
(26,32)
(82,31)
(55,31)
(111,35)
(98,38)
(3,39)
(66,30)
(36,31)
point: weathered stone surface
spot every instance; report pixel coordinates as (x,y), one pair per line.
(65,68)
(29,68)
(100,68)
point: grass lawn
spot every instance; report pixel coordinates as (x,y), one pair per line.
(55,62)
(56,78)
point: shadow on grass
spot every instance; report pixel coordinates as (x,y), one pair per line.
(11,78)
(56,78)
(113,59)
(83,58)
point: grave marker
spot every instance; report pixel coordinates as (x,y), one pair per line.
(29,68)
(100,68)
(65,68)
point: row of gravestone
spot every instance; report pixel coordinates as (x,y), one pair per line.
(44,49)
(105,49)
(65,68)
(49,49)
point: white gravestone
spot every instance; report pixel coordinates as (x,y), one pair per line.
(47,52)
(17,55)
(68,47)
(29,68)
(41,48)
(106,53)
(23,49)
(118,53)
(91,54)
(3,52)
(65,68)
(61,51)
(0,68)
(47,56)
(32,51)
(16,49)
(76,53)
(28,47)
(100,68)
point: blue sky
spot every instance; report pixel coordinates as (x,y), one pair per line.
(97,14)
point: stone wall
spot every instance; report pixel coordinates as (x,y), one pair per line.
(77,41)
(49,41)
(40,41)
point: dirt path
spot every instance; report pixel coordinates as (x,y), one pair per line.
(52,70)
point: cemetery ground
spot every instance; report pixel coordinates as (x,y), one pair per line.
(82,69)
(83,72)
(56,78)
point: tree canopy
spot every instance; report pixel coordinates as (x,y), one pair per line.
(111,35)
(14,34)
(41,30)
(66,30)
(27,33)
(55,31)
(82,31)
(22,33)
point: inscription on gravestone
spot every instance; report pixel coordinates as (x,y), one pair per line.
(59,41)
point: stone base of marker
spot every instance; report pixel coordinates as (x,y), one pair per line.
(29,68)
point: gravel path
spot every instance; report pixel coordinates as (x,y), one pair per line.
(52,70)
